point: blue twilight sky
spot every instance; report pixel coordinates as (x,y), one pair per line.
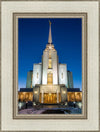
(32,40)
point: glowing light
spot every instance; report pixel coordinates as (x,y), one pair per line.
(34,103)
(20,105)
(64,92)
(66,103)
(35,92)
(80,105)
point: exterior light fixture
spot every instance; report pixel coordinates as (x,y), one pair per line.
(34,103)
(65,103)
(20,105)
(80,105)
(64,92)
(35,92)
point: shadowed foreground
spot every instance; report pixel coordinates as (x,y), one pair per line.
(70,110)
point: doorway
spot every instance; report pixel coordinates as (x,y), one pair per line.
(50,98)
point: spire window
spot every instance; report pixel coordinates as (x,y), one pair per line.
(62,75)
(37,74)
(50,64)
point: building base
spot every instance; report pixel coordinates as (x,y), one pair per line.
(49,94)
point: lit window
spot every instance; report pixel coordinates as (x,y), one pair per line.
(49,54)
(50,63)
(62,75)
(37,74)
(50,78)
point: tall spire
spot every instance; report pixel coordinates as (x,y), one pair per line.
(50,36)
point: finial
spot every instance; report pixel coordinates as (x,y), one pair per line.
(50,36)
(49,22)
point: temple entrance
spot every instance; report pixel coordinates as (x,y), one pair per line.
(50,98)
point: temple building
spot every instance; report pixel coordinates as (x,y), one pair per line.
(29,79)
(50,82)
(70,79)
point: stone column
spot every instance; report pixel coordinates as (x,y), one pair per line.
(42,97)
(57,96)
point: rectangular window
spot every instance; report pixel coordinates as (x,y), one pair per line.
(50,78)
(50,64)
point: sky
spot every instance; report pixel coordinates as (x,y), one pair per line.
(33,37)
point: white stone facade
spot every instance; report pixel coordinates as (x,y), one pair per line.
(63,74)
(49,88)
(49,71)
(37,73)
(55,67)
(45,67)
(41,70)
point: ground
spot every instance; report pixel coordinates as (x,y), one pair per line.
(50,109)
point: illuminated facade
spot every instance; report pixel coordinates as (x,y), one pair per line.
(72,96)
(49,81)
(49,77)
(50,72)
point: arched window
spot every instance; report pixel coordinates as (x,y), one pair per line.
(50,63)
(37,74)
(50,78)
(62,75)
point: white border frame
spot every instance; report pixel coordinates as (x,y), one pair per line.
(92,9)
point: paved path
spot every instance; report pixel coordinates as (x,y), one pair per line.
(30,111)
(69,110)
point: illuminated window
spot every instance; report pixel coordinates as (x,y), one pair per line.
(50,78)
(37,74)
(49,54)
(50,63)
(62,75)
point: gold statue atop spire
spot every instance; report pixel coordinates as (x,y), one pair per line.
(49,22)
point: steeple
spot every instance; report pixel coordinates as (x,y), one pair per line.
(50,36)
(50,46)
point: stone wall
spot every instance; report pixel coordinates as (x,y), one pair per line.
(63,74)
(37,74)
